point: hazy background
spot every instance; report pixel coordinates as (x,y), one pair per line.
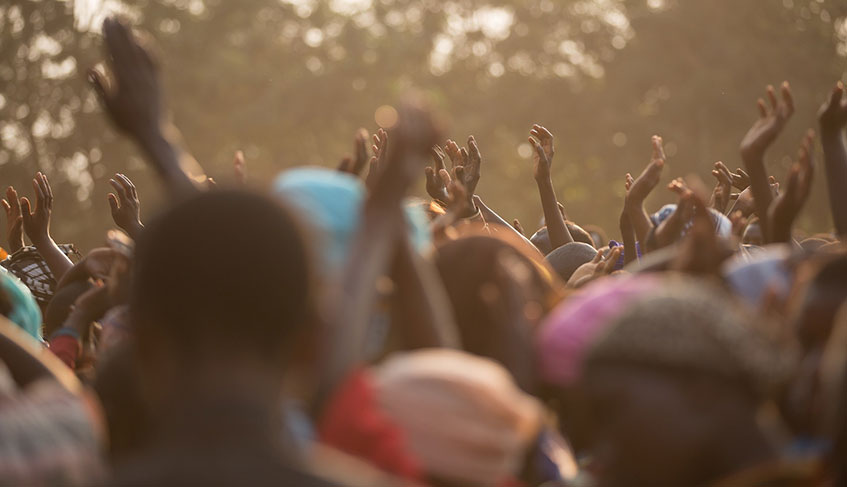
(289,81)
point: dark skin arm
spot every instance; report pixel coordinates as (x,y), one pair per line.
(373,246)
(759,138)
(36,223)
(627,230)
(542,143)
(133,101)
(420,303)
(788,204)
(640,188)
(832,118)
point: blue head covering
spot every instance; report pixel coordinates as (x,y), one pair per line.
(24,312)
(332,202)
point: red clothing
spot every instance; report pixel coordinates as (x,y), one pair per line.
(67,348)
(354,424)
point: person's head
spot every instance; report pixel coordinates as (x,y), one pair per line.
(221,279)
(541,239)
(567,258)
(18,305)
(669,401)
(329,205)
(499,292)
(486,424)
(661,403)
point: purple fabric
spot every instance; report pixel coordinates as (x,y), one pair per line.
(619,264)
(567,334)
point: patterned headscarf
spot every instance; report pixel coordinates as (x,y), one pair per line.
(28,266)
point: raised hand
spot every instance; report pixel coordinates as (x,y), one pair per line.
(769,124)
(133,98)
(472,166)
(36,221)
(14,220)
(357,163)
(833,118)
(435,186)
(458,155)
(377,162)
(760,136)
(787,205)
(723,188)
(740,179)
(832,115)
(638,190)
(701,252)
(542,157)
(542,142)
(239,169)
(126,209)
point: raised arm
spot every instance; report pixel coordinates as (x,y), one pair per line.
(36,222)
(833,118)
(787,205)
(373,245)
(756,142)
(640,188)
(133,100)
(542,156)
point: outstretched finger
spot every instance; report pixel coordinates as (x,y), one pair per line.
(763,109)
(445,177)
(598,257)
(26,211)
(772,98)
(119,189)
(658,150)
(127,184)
(114,205)
(787,98)
(517,226)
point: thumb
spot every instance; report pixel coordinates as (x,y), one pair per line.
(598,258)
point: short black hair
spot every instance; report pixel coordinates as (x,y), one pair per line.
(567,258)
(223,272)
(541,239)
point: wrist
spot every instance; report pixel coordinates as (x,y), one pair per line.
(42,241)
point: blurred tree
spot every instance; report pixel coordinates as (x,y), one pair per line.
(289,81)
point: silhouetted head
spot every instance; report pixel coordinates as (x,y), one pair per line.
(220,277)
(542,241)
(567,258)
(60,306)
(498,292)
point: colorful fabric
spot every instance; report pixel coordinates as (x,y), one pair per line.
(354,424)
(24,310)
(465,419)
(28,266)
(331,204)
(566,336)
(49,436)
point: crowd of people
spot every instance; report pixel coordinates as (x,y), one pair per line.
(351,335)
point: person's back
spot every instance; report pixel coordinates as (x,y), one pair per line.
(214,319)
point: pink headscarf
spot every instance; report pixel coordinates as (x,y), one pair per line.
(566,335)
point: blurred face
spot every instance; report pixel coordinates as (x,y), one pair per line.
(643,428)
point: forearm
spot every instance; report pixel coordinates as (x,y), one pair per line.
(28,362)
(639,220)
(420,304)
(835,165)
(556,228)
(630,253)
(370,254)
(58,263)
(761,191)
(174,165)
